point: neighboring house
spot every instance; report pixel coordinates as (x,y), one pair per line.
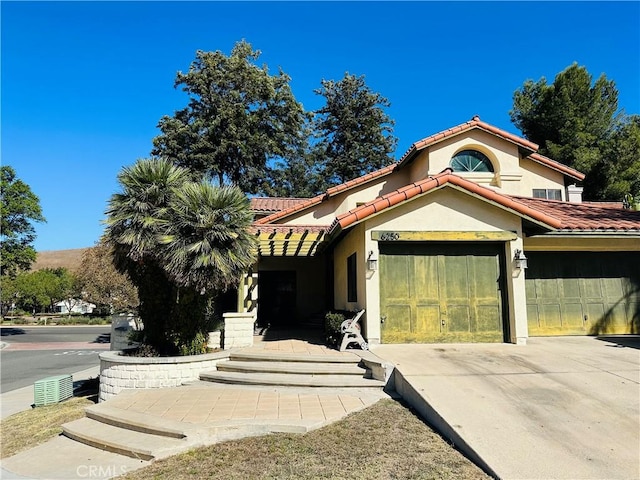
(77,306)
(434,246)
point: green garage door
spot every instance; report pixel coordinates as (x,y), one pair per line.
(583,293)
(441,292)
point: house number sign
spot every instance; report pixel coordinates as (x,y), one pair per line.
(389,236)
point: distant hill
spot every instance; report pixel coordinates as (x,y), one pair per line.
(69,259)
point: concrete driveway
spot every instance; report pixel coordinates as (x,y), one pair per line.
(559,407)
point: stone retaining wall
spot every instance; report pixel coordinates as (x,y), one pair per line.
(118,372)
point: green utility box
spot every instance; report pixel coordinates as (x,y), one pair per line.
(52,390)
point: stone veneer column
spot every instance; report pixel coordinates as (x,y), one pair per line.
(238,329)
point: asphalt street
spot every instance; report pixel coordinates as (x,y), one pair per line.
(32,353)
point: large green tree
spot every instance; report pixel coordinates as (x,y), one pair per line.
(355,135)
(182,243)
(576,121)
(19,208)
(239,117)
(41,290)
(617,174)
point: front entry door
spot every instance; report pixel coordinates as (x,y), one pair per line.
(435,293)
(276,298)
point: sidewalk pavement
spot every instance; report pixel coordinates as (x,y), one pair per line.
(22,399)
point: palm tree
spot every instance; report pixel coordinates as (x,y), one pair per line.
(181,242)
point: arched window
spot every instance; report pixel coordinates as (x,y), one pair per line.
(471,161)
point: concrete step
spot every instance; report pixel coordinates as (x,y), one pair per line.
(266,356)
(139,422)
(126,442)
(291,380)
(292,368)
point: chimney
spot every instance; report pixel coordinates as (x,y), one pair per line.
(574,194)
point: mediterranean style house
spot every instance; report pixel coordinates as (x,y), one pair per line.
(472,236)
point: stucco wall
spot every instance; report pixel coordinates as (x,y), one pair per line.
(325,213)
(538,176)
(353,243)
(512,175)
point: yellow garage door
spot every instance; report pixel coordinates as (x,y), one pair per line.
(583,293)
(432,293)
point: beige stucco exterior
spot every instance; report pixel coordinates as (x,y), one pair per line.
(450,209)
(514,173)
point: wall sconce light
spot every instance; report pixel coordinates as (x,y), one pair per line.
(372,263)
(520,259)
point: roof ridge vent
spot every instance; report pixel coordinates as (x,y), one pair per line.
(475,118)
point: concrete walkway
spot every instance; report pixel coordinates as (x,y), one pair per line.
(203,410)
(557,408)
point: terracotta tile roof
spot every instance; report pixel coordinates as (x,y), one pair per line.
(309,202)
(303,204)
(417,188)
(591,217)
(560,167)
(618,205)
(475,122)
(274,204)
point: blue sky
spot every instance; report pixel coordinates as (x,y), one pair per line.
(85,83)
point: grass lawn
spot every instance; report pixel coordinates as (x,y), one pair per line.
(27,429)
(386,440)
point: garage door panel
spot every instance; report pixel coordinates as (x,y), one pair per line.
(486,272)
(453,292)
(592,288)
(617,316)
(604,281)
(595,312)
(456,277)
(613,288)
(550,316)
(398,318)
(428,320)
(398,270)
(457,318)
(572,316)
(547,288)
(533,318)
(633,313)
(425,270)
(487,318)
(570,287)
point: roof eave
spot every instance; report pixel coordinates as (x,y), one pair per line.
(336,228)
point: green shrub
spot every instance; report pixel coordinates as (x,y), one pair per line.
(195,346)
(332,334)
